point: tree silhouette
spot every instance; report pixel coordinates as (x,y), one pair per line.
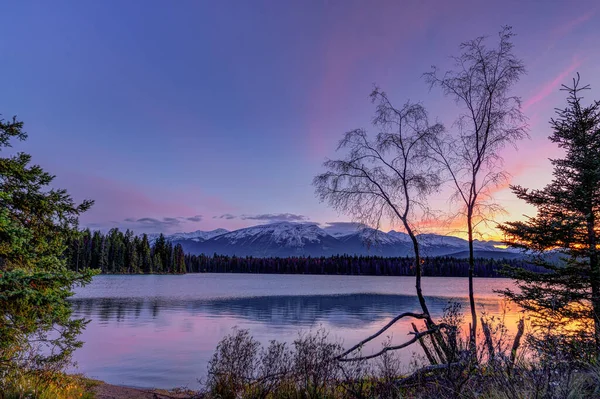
(490,118)
(567,298)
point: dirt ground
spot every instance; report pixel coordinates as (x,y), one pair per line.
(107,391)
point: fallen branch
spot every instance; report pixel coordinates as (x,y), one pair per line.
(381,331)
(417,336)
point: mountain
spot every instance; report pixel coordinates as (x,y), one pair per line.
(197,236)
(284,239)
(276,239)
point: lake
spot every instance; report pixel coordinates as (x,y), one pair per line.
(161,330)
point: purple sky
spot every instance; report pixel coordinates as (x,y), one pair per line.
(177,116)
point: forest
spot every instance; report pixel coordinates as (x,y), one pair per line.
(126,253)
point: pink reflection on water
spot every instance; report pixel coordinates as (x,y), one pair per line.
(161,331)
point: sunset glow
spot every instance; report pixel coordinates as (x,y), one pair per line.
(206,114)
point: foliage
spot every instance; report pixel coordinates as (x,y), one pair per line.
(307,369)
(242,367)
(124,253)
(566,299)
(44,385)
(37,334)
(446,266)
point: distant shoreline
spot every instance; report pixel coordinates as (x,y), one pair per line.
(294,274)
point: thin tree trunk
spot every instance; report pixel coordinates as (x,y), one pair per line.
(437,339)
(473,333)
(418,270)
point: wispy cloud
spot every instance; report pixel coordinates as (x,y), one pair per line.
(276,217)
(549,87)
(227,216)
(266,217)
(196,218)
(572,24)
(158,225)
(149,224)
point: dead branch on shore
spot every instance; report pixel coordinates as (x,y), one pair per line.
(418,335)
(381,331)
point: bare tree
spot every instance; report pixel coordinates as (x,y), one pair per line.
(389,176)
(490,118)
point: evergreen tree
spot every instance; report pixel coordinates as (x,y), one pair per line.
(145,255)
(96,250)
(157,263)
(179,259)
(158,257)
(566,299)
(37,224)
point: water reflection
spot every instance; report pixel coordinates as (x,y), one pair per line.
(167,341)
(298,310)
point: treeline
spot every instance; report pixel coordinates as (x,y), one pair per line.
(125,253)
(351,265)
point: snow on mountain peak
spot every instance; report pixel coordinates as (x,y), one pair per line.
(399,236)
(286,238)
(342,229)
(198,235)
(282,233)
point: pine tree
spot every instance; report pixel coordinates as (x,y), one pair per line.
(37,224)
(179,259)
(566,299)
(145,256)
(158,254)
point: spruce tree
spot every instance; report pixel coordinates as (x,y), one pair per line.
(37,223)
(179,259)
(566,299)
(145,255)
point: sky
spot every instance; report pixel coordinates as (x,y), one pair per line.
(185,115)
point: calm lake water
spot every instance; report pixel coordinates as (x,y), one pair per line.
(161,331)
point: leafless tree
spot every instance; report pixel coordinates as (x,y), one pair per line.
(387,177)
(490,118)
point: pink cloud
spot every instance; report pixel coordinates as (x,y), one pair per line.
(116,201)
(549,87)
(359,39)
(573,23)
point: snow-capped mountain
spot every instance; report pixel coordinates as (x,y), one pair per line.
(309,239)
(197,236)
(274,239)
(343,229)
(284,234)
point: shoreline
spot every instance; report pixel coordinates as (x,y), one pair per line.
(103,390)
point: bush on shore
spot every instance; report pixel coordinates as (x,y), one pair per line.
(310,368)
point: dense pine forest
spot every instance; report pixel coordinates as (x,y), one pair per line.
(125,253)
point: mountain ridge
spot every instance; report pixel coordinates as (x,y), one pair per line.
(285,239)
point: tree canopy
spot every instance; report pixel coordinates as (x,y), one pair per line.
(567,299)
(36,223)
